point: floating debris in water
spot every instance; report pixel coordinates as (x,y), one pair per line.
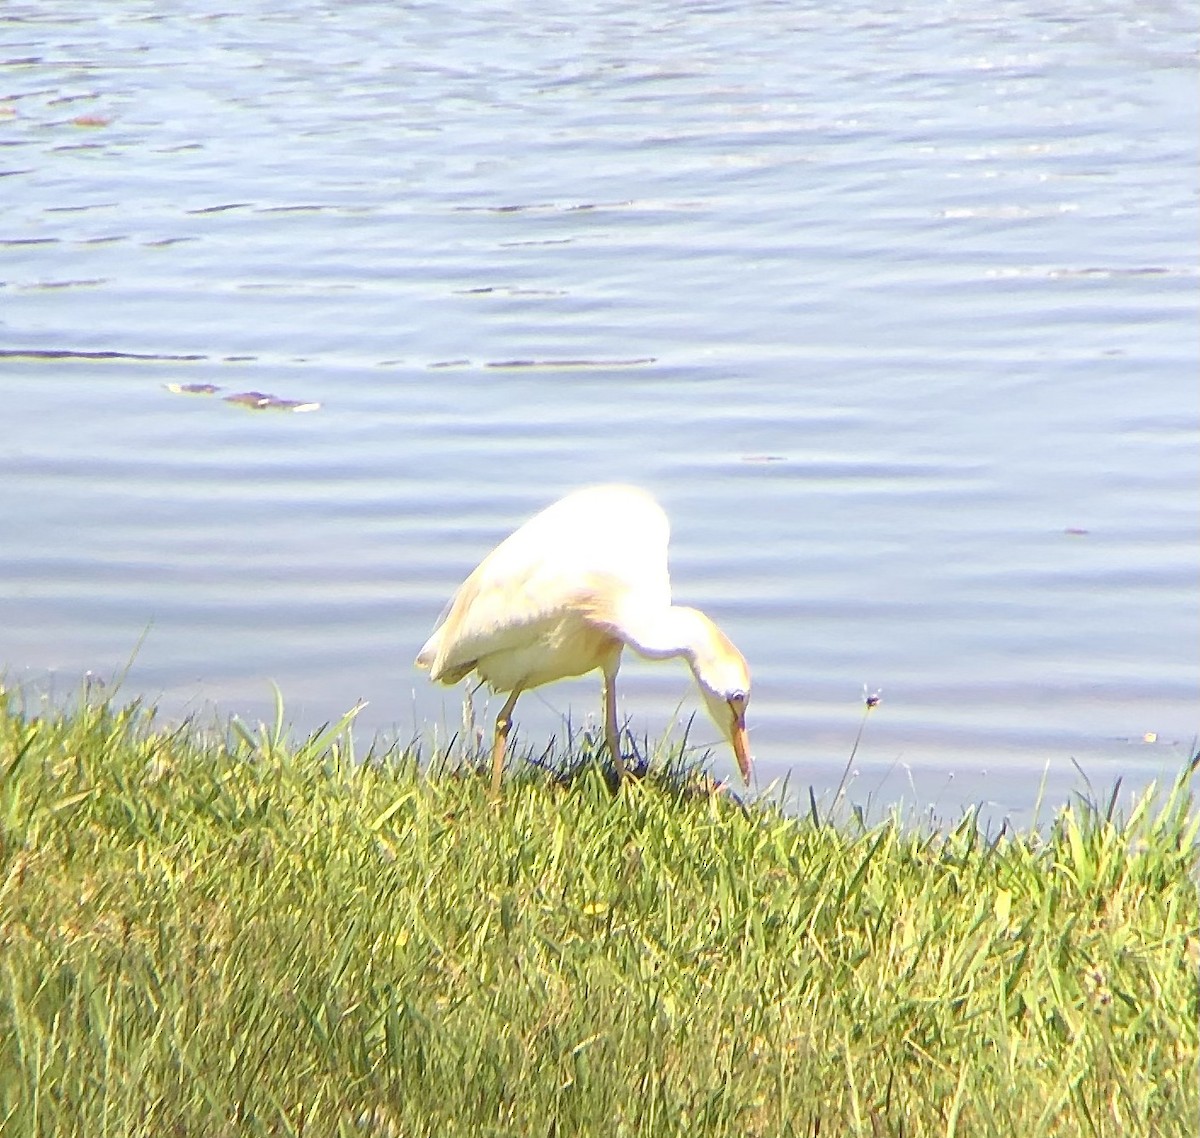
(255,400)
(261,401)
(192,388)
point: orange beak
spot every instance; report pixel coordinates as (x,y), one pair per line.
(741,744)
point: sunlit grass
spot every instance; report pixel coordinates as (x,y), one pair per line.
(233,935)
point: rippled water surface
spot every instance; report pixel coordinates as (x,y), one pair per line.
(893,308)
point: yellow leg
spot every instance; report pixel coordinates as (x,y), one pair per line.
(500,741)
(612,734)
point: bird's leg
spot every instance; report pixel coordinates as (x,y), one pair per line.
(500,740)
(611,732)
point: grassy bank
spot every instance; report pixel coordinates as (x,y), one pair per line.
(213,937)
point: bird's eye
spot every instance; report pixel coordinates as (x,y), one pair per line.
(737,697)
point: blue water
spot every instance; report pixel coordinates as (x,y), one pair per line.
(893,309)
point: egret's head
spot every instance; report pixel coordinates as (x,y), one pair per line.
(728,712)
(724,680)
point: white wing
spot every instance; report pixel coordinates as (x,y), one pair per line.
(594,547)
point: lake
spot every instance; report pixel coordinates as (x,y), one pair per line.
(893,307)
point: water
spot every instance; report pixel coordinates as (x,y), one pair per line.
(894,309)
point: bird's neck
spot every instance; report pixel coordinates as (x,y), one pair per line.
(661,633)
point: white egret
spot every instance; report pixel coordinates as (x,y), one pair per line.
(564,595)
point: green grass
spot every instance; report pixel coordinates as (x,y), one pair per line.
(213,936)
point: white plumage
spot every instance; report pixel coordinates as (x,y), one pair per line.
(564,595)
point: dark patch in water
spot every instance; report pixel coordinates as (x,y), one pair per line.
(57,354)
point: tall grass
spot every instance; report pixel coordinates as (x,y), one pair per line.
(230,935)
